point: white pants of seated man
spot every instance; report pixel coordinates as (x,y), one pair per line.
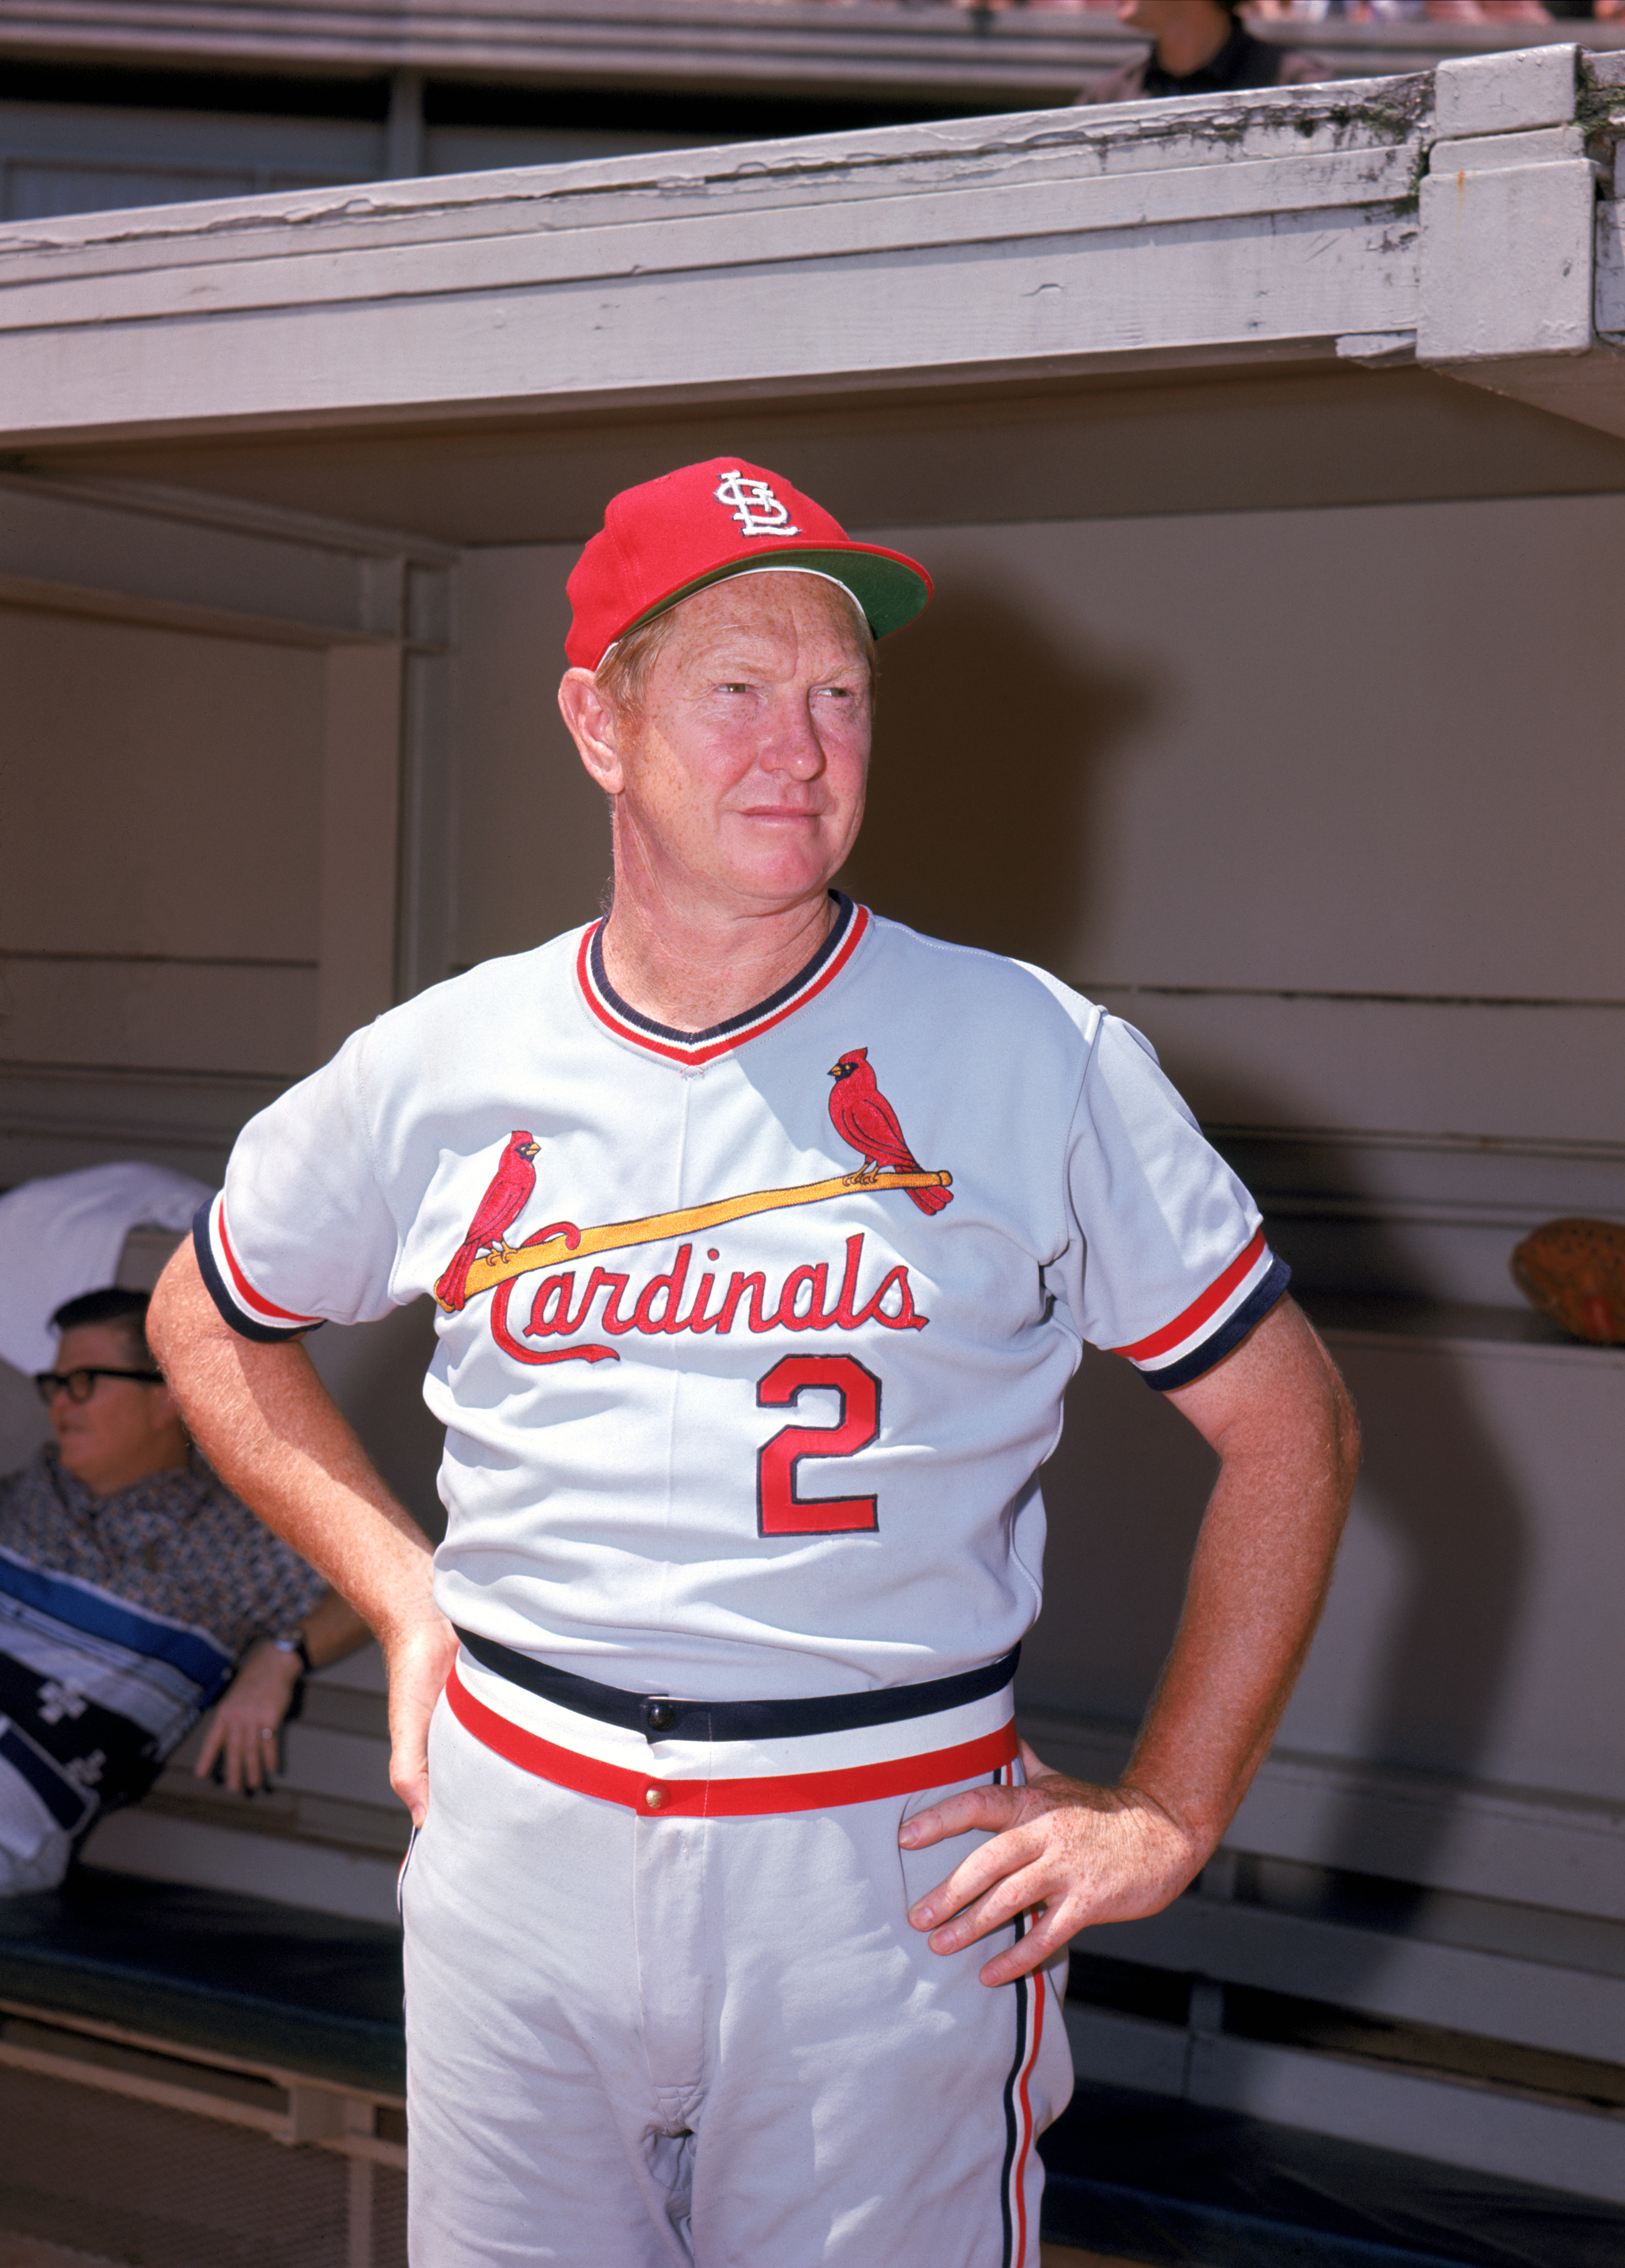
(639,2042)
(34,1851)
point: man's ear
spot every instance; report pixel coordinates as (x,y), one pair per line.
(593,727)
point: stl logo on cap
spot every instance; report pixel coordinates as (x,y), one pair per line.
(666,539)
(755,506)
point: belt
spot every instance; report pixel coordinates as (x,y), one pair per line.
(971,1736)
(661,1716)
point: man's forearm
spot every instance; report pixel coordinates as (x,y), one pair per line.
(267,1424)
(1069,1854)
(1259,1575)
(332,1629)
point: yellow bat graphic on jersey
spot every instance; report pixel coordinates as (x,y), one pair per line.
(656,1228)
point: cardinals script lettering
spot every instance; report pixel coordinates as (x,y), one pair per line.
(799,1301)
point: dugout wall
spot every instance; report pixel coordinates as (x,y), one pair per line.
(1270,458)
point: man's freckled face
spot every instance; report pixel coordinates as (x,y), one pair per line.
(745,773)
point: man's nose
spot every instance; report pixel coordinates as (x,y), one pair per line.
(793,744)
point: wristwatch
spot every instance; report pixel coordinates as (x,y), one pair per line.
(293,1642)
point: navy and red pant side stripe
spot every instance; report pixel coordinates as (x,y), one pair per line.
(1029,1993)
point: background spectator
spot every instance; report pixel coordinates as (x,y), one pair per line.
(1198,47)
(135,1590)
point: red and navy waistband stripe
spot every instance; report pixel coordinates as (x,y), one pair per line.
(619,1017)
(1205,1332)
(646,1793)
(677,1720)
(248,1312)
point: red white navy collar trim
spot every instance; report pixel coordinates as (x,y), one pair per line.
(693,1048)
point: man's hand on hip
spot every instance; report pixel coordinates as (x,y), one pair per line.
(1069,1854)
(1062,1852)
(420,1657)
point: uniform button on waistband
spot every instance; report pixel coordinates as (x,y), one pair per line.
(654,1797)
(660,1714)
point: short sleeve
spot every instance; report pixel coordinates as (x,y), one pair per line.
(301,1234)
(1174,1270)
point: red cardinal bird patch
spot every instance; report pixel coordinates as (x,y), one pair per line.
(485,1262)
(861,1115)
(499,1209)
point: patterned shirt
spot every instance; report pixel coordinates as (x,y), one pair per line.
(178,1542)
(122,1618)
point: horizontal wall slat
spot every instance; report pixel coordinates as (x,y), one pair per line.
(1493,1842)
(327,1880)
(251,1022)
(1548,1071)
(251,582)
(55,1118)
(1479,2128)
(1535,2004)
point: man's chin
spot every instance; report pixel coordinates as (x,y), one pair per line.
(785,857)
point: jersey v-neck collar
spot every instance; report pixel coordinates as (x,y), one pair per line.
(691,1047)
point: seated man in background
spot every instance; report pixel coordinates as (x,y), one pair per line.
(1198,47)
(135,1590)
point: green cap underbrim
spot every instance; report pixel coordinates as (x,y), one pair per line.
(890,590)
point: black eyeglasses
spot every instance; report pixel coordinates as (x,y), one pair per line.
(79,1385)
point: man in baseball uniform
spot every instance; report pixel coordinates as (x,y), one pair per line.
(765,1236)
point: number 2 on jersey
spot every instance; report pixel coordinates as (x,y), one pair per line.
(779,1511)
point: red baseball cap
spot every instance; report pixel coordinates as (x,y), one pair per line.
(672,536)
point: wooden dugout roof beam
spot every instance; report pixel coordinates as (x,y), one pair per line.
(1463,216)
(1013,246)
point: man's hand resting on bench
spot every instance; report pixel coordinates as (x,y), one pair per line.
(242,1739)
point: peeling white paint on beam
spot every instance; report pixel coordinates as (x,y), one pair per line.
(1023,246)
(1062,150)
(671,245)
(889,315)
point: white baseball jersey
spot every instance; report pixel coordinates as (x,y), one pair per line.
(752,1341)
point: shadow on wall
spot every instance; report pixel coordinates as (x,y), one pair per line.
(990,745)
(989,822)
(1413,1658)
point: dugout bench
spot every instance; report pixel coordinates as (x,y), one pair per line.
(195,2077)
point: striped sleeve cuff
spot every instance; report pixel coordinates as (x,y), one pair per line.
(248,1312)
(1208,1330)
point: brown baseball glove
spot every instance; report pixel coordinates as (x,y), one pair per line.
(1574,1270)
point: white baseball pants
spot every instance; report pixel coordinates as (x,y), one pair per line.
(643,2039)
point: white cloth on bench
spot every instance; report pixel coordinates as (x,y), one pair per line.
(63,1235)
